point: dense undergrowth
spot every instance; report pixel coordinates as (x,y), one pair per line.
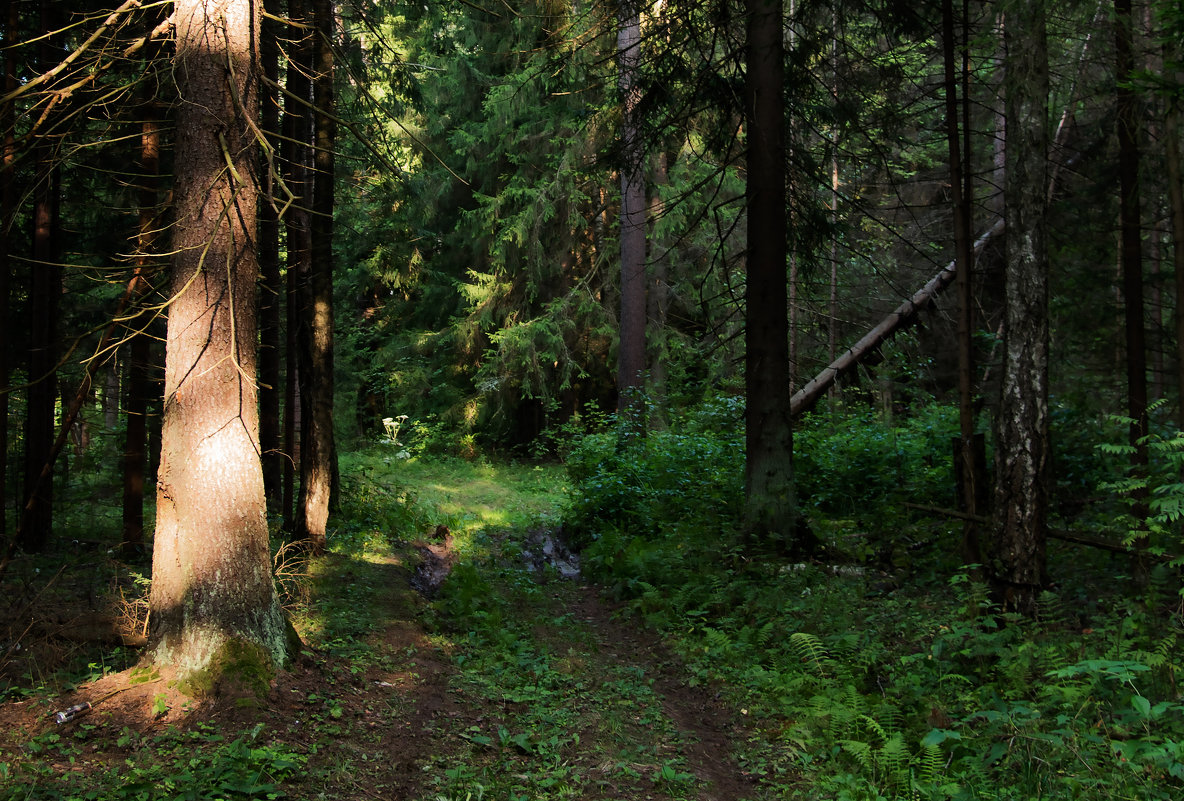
(886,672)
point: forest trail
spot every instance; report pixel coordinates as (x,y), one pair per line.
(510,681)
(567,701)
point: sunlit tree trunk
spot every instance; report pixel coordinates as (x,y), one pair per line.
(769,491)
(631,346)
(318,453)
(212,592)
(1022,454)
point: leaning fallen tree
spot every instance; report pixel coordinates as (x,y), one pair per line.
(904,314)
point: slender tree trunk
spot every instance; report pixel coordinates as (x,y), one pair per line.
(45,290)
(7,213)
(139,383)
(297,131)
(969,489)
(658,303)
(1176,199)
(1131,245)
(770,512)
(270,282)
(1022,453)
(212,591)
(631,343)
(318,454)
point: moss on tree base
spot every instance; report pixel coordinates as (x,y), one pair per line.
(238,667)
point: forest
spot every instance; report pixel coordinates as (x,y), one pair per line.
(696,399)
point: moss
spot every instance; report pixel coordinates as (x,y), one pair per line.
(237,667)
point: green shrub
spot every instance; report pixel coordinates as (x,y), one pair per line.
(855,462)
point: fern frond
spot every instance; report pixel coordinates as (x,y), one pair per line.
(809,650)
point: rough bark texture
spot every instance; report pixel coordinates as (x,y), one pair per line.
(212,589)
(769,491)
(631,348)
(318,452)
(1022,426)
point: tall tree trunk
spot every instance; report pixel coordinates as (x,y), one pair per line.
(270,281)
(212,591)
(7,213)
(139,382)
(297,131)
(1022,453)
(658,303)
(1175,177)
(318,454)
(967,472)
(631,342)
(1131,244)
(769,512)
(45,290)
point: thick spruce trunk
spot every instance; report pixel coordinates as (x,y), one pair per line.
(769,491)
(212,592)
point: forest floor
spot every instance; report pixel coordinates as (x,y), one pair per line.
(512,683)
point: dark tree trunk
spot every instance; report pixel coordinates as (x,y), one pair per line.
(318,453)
(1131,245)
(970,480)
(270,285)
(631,340)
(212,591)
(7,213)
(769,492)
(140,386)
(297,132)
(1022,454)
(45,290)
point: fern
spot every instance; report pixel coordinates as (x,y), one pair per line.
(809,650)
(930,764)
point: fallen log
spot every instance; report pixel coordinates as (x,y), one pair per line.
(805,398)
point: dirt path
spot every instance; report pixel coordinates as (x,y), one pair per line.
(607,710)
(508,689)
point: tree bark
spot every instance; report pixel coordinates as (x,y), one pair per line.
(1022,452)
(318,454)
(631,340)
(964,278)
(270,282)
(139,368)
(7,213)
(297,131)
(212,594)
(1131,246)
(769,512)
